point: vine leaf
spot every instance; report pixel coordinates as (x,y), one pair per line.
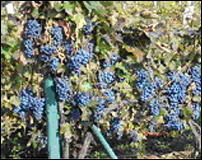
(139,55)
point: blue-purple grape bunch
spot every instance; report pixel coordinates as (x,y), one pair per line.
(195,73)
(32,29)
(56,34)
(63,89)
(29,102)
(115,124)
(28,48)
(81,99)
(113,60)
(48,50)
(54,62)
(143,84)
(174,124)
(176,91)
(109,94)
(68,47)
(42,141)
(105,78)
(88,27)
(146,85)
(154,107)
(152,124)
(48,58)
(99,109)
(75,113)
(195,111)
(82,57)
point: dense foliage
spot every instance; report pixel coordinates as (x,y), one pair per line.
(131,72)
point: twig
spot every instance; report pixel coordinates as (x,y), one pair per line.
(88,139)
(64,141)
(197,136)
(196,125)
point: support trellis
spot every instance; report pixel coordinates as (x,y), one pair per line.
(52,119)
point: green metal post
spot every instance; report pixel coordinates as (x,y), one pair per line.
(104,142)
(52,117)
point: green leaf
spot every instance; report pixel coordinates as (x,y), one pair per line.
(4,28)
(65,129)
(58,7)
(88,6)
(107,3)
(99,9)
(14,100)
(35,13)
(68,8)
(160,120)
(79,20)
(34,145)
(86,87)
(197,98)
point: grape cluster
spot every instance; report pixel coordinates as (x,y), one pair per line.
(49,50)
(146,85)
(105,78)
(143,84)
(88,27)
(115,124)
(75,113)
(175,93)
(173,113)
(142,79)
(38,107)
(154,107)
(151,126)
(185,80)
(54,63)
(56,34)
(32,29)
(157,83)
(41,140)
(195,74)
(45,58)
(195,111)
(174,124)
(68,47)
(82,57)
(28,48)
(81,99)
(63,88)
(134,135)
(110,96)
(99,109)
(112,61)
(29,102)
(90,48)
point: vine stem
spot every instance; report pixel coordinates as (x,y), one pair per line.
(88,139)
(197,136)
(64,141)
